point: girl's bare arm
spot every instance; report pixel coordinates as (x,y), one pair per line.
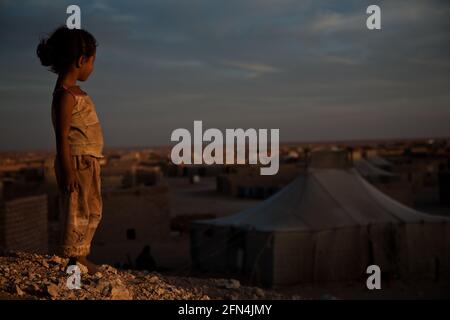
(64,103)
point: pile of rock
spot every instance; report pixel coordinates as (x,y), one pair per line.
(33,276)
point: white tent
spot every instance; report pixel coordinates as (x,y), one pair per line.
(327,225)
(373,173)
(380,162)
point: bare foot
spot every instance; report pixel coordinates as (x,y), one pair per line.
(92,267)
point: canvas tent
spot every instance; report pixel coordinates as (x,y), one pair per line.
(373,173)
(327,225)
(380,162)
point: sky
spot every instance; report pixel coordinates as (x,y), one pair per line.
(310,68)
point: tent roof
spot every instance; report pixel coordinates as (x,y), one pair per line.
(379,161)
(323,199)
(367,169)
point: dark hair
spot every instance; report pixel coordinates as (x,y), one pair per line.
(64,46)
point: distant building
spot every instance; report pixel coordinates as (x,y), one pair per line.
(325,159)
(202,170)
(23,224)
(142,175)
(132,218)
(444,184)
(327,225)
(247,182)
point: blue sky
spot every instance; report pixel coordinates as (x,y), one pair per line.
(309,68)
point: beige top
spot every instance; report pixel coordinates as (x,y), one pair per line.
(85,133)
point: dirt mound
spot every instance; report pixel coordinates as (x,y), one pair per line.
(33,276)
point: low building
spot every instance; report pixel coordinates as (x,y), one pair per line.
(132,218)
(23,224)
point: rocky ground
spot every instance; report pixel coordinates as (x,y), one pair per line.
(33,276)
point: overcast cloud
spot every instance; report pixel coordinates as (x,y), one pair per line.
(310,68)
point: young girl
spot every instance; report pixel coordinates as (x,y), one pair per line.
(70,53)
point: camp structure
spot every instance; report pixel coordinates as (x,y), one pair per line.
(373,173)
(380,162)
(329,224)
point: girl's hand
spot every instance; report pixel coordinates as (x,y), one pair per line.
(70,182)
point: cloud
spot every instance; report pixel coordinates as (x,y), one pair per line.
(252,70)
(340,60)
(103,8)
(331,22)
(179,63)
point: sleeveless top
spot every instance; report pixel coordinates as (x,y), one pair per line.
(85,133)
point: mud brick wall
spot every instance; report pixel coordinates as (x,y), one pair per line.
(23,224)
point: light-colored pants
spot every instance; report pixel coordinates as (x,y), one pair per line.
(81,210)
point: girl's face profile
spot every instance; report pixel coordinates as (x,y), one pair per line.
(86,67)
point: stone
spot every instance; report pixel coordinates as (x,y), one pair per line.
(106,291)
(231,284)
(19,291)
(104,287)
(327,296)
(56,259)
(152,279)
(120,293)
(232,297)
(53,290)
(35,287)
(259,292)
(71,296)
(108,269)
(82,267)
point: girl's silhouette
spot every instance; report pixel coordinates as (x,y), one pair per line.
(70,53)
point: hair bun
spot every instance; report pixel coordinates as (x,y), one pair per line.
(45,53)
(63,47)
